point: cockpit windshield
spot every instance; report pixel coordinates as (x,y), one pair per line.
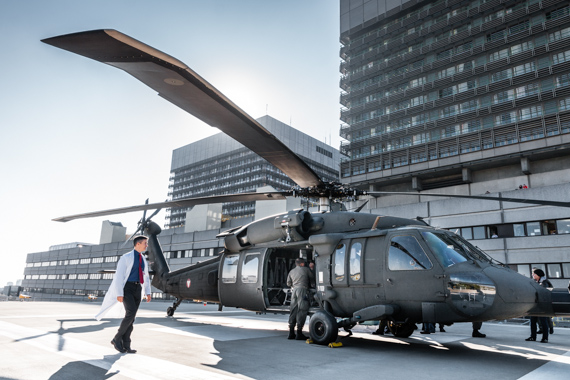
(451,249)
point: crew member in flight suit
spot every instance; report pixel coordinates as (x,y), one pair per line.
(299,279)
(130,280)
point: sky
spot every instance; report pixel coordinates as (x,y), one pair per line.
(78,135)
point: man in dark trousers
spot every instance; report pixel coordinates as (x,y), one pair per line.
(299,279)
(130,279)
(539,276)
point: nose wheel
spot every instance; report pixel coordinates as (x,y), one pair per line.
(171,309)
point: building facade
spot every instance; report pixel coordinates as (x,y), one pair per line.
(463,97)
(219,165)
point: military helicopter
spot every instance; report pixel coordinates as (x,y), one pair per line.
(368,267)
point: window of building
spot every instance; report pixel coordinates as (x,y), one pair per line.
(563,80)
(522,26)
(504,96)
(495,56)
(530,112)
(557,13)
(498,35)
(553,271)
(519,48)
(563,226)
(501,75)
(559,34)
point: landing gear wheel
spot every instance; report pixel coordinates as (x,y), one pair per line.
(323,328)
(401,330)
(170,311)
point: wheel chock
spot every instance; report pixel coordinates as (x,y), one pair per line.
(309,341)
(335,344)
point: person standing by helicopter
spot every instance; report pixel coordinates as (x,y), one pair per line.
(540,277)
(299,279)
(130,280)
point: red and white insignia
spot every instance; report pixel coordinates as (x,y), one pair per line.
(188,282)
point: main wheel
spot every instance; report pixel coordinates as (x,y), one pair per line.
(170,311)
(401,330)
(323,328)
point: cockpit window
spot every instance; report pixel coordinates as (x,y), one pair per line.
(451,249)
(406,254)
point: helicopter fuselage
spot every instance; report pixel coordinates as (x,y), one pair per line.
(376,268)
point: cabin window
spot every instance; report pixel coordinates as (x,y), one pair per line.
(229,270)
(355,257)
(339,262)
(406,254)
(249,268)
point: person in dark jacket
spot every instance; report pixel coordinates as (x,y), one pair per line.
(540,277)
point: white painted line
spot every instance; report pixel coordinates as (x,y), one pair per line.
(558,368)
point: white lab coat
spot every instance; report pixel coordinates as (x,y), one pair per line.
(112,308)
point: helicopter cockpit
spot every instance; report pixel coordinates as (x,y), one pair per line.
(451,249)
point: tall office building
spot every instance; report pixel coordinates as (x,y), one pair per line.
(219,165)
(464,97)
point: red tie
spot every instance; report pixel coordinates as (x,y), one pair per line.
(141,278)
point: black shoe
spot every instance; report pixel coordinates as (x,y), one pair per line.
(539,332)
(425,332)
(130,351)
(441,329)
(300,336)
(378,332)
(118,346)
(530,339)
(477,334)
(544,340)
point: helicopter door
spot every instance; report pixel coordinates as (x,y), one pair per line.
(348,279)
(373,270)
(413,281)
(240,280)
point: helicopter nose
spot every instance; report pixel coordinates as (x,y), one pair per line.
(516,295)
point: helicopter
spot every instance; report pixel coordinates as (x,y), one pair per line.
(368,267)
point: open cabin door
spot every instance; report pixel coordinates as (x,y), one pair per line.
(278,263)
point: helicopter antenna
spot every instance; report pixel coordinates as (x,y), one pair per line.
(361,206)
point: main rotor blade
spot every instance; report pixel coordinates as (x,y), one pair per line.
(187,202)
(487,198)
(178,84)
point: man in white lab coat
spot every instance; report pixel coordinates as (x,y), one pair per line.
(129,282)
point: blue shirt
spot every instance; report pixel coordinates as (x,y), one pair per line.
(134,275)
